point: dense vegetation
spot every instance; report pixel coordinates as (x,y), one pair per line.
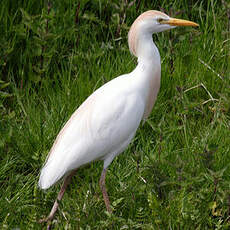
(175,174)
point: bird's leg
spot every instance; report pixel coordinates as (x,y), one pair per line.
(104,192)
(59,197)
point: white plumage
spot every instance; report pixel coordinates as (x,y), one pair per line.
(100,129)
(104,125)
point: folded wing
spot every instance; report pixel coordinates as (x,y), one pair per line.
(100,128)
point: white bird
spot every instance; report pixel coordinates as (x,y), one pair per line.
(104,125)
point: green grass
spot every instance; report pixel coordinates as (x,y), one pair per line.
(174,175)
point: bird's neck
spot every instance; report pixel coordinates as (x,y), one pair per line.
(149,63)
(148,72)
(147,51)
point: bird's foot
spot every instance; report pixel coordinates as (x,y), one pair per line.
(47,220)
(44,220)
(50,217)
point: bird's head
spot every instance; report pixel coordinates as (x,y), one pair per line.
(150,22)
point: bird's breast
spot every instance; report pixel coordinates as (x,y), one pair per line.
(118,116)
(153,86)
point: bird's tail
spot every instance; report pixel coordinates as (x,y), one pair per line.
(50,174)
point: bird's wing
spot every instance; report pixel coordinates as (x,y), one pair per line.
(97,128)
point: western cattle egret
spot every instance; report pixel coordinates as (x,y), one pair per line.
(104,125)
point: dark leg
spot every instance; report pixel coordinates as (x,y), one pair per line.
(104,192)
(59,197)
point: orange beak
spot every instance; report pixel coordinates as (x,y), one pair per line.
(178,22)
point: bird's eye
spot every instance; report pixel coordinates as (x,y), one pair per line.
(160,20)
